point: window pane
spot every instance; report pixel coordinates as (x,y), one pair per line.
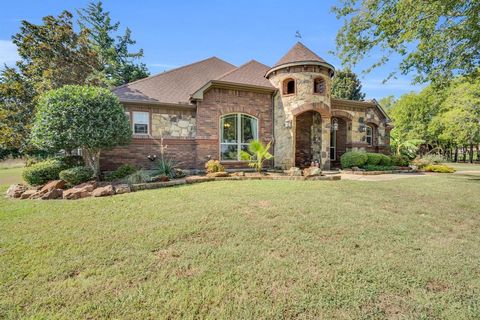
(249,129)
(229,152)
(141,128)
(229,129)
(140,117)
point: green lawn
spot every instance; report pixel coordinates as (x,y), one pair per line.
(408,248)
(11,172)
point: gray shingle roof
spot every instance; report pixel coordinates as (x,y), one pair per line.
(299,53)
(251,73)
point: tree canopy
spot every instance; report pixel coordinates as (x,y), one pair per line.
(85,117)
(346,85)
(436,39)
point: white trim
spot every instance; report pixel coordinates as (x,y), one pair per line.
(367,135)
(148,123)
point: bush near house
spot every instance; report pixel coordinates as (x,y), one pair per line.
(76,175)
(399,160)
(373,158)
(123,171)
(439,168)
(353,159)
(42,172)
(214,166)
(385,160)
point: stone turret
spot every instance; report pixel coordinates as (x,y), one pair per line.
(302,108)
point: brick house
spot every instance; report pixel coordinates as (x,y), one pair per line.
(211,109)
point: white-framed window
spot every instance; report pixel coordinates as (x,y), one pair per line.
(140,122)
(369,135)
(236,132)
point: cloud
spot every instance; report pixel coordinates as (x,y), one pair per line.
(8,53)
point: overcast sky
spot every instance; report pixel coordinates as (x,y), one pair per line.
(174,33)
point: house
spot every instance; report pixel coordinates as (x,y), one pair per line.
(211,109)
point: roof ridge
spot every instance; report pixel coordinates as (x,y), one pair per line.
(239,67)
(172,70)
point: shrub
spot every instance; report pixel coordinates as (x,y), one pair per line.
(373,158)
(353,159)
(42,172)
(76,175)
(434,158)
(140,176)
(385,160)
(440,168)
(421,162)
(71,161)
(400,161)
(370,167)
(214,166)
(257,154)
(166,166)
(121,172)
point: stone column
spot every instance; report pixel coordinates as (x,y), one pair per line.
(326,124)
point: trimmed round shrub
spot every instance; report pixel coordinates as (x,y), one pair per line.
(42,172)
(373,158)
(123,171)
(76,175)
(72,161)
(399,161)
(353,159)
(384,160)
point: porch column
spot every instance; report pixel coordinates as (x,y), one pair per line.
(326,124)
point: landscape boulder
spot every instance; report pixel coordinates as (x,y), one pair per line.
(54,184)
(220,174)
(312,172)
(88,186)
(103,191)
(294,172)
(238,174)
(52,194)
(78,192)
(16,190)
(27,194)
(122,188)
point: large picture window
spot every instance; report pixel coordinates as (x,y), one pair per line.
(236,132)
(140,122)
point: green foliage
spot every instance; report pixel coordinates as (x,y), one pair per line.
(399,160)
(76,175)
(444,34)
(257,154)
(84,117)
(140,176)
(373,158)
(214,166)
(439,168)
(166,166)
(353,159)
(387,103)
(434,158)
(117,63)
(121,172)
(385,160)
(346,85)
(42,172)
(370,167)
(71,161)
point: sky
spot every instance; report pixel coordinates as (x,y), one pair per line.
(175,33)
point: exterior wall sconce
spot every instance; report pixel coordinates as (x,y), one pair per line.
(334,126)
(152,157)
(288,123)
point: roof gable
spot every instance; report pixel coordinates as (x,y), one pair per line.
(176,85)
(250,73)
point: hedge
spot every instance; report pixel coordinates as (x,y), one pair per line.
(42,172)
(353,159)
(76,175)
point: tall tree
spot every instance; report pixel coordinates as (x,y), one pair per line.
(435,39)
(51,54)
(118,63)
(346,85)
(387,103)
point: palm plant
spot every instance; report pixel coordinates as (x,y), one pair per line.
(408,148)
(257,155)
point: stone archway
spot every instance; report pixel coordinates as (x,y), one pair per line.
(308,138)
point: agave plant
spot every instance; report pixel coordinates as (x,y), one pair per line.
(257,154)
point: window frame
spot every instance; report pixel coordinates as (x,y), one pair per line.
(324,86)
(132,117)
(238,131)
(285,87)
(369,135)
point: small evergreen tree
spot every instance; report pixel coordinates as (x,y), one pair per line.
(346,85)
(84,117)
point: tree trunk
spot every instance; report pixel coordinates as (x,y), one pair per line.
(471,153)
(478,152)
(93,160)
(456,155)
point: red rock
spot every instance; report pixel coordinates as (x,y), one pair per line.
(52,194)
(122,188)
(89,186)
(103,191)
(27,194)
(78,193)
(218,174)
(55,184)
(16,190)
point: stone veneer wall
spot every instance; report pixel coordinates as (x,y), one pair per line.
(173,125)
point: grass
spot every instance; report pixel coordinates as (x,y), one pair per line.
(11,171)
(407,248)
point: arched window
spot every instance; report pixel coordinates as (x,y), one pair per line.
(369,135)
(289,86)
(319,86)
(236,132)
